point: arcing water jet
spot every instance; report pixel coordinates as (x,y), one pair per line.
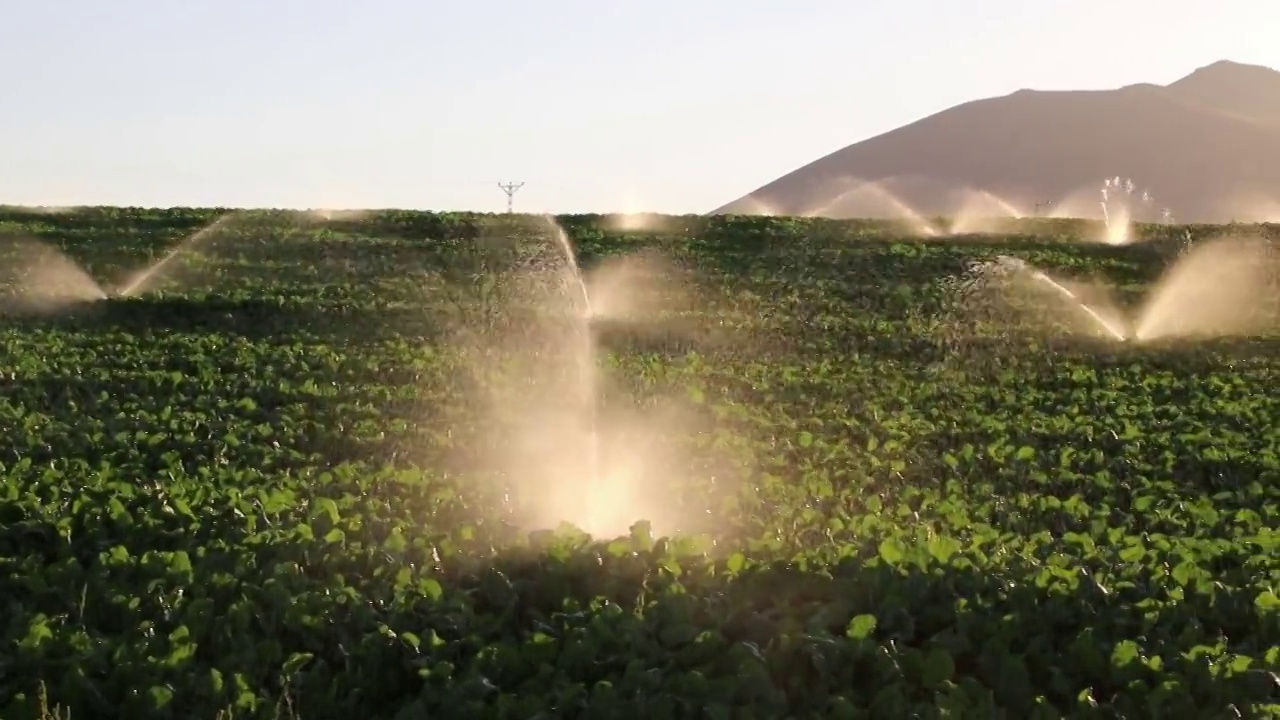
(1224,287)
(981,211)
(39,278)
(755,206)
(141,281)
(1109,327)
(48,278)
(870,200)
(1229,287)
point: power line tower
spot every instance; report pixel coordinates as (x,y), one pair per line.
(510,189)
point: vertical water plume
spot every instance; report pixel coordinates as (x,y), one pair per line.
(1116,224)
(558,437)
(524,330)
(1122,203)
(1118,203)
(635,221)
(330,214)
(583,316)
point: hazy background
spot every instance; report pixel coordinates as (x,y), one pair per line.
(663,105)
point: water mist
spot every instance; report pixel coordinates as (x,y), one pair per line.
(1227,287)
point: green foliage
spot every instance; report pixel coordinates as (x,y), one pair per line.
(242,496)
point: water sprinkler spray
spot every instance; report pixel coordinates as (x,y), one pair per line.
(1007,265)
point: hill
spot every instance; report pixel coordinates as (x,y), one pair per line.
(1206,146)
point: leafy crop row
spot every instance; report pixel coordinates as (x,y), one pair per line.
(241,494)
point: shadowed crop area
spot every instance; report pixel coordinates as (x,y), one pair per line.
(410,465)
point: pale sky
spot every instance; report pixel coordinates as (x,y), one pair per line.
(597,105)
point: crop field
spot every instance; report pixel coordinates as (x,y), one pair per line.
(340,467)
